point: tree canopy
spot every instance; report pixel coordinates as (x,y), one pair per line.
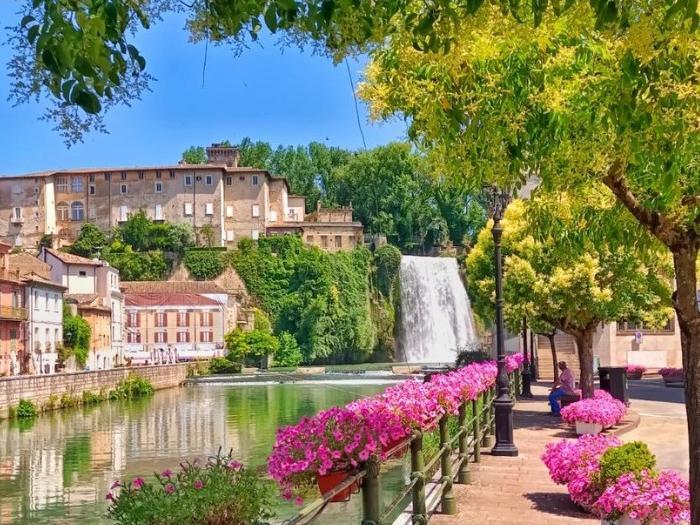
(572,286)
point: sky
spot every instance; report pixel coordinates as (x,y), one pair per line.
(279,96)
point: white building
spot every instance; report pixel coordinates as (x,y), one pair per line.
(93,287)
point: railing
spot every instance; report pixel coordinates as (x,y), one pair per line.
(13,313)
(466,434)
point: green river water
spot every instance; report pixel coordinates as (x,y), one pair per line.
(58,469)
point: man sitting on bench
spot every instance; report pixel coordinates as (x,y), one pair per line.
(563,385)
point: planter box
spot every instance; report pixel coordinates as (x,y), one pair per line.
(626,520)
(634,375)
(588,428)
(673,381)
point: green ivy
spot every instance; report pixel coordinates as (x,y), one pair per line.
(76,337)
(204,264)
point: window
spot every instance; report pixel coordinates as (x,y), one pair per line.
(133,319)
(209,208)
(92,189)
(209,180)
(62,184)
(631,327)
(108,176)
(92,212)
(76,184)
(255,235)
(324,241)
(229,235)
(92,178)
(17,214)
(206,336)
(123,175)
(161,319)
(158,213)
(242,177)
(273,215)
(159,187)
(158,174)
(206,318)
(36,300)
(229,211)
(310,239)
(77,211)
(229,180)
(123,189)
(55,336)
(172,174)
(82,273)
(255,180)
(183,337)
(188,180)
(62,211)
(133,337)
(188,208)
(338,241)
(161,337)
(256,210)
(183,319)
(123,213)
(140,175)
(48,302)
(56,304)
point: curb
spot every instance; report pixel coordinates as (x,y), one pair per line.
(628,424)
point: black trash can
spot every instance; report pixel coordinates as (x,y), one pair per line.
(613,379)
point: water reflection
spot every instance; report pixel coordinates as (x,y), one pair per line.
(58,469)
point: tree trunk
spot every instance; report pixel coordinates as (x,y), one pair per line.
(553,348)
(684,260)
(584,345)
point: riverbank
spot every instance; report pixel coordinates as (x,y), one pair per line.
(45,390)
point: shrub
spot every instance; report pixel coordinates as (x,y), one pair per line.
(601,409)
(204,264)
(288,353)
(631,457)
(636,369)
(76,337)
(139,266)
(387,260)
(220,492)
(255,343)
(671,373)
(132,386)
(221,365)
(26,409)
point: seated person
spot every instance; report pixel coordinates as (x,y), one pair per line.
(563,385)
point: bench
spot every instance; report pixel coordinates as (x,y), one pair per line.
(567,399)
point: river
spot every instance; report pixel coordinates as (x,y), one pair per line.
(57,469)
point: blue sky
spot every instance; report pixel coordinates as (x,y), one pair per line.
(280,96)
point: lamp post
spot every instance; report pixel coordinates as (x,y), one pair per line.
(503,404)
(528,368)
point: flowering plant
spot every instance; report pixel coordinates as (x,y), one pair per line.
(602,409)
(671,373)
(574,463)
(636,369)
(514,361)
(648,497)
(217,492)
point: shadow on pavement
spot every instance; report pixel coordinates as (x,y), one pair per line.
(557,504)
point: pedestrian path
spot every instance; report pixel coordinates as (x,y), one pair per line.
(508,491)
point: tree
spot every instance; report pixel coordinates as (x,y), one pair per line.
(194,155)
(576,104)
(574,286)
(76,336)
(288,353)
(90,241)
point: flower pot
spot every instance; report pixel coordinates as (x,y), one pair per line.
(328,482)
(634,375)
(588,428)
(398,453)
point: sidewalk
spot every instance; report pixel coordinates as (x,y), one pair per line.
(506,491)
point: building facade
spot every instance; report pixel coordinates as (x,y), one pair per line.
(226,201)
(167,322)
(92,290)
(13,316)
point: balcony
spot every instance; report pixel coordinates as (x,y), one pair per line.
(293,217)
(17,219)
(13,313)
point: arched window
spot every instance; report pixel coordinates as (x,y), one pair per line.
(63,211)
(77,211)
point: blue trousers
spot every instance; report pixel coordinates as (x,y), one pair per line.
(554,399)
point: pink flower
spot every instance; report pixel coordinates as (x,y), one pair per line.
(138,483)
(198,484)
(116,484)
(602,409)
(109,497)
(167,473)
(169,488)
(298,500)
(234,465)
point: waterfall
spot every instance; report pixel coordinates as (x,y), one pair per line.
(436,316)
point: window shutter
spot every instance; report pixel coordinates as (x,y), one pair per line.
(229,211)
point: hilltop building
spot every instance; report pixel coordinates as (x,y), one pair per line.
(232,201)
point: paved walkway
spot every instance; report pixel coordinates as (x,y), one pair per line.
(518,490)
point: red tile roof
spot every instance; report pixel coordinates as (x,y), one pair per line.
(164,287)
(69,258)
(168,299)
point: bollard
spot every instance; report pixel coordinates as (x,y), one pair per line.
(371,511)
(463,475)
(477,431)
(448,503)
(420,514)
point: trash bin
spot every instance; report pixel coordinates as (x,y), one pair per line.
(613,379)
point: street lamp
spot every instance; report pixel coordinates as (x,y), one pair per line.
(503,404)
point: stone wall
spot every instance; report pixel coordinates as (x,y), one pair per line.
(39,388)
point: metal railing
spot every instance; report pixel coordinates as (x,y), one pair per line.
(461,439)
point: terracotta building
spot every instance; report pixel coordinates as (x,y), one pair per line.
(167,322)
(13,356)
(231,201)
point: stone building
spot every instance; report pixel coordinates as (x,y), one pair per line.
(13,315)
(220,199)
(93,291)
(174,321)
